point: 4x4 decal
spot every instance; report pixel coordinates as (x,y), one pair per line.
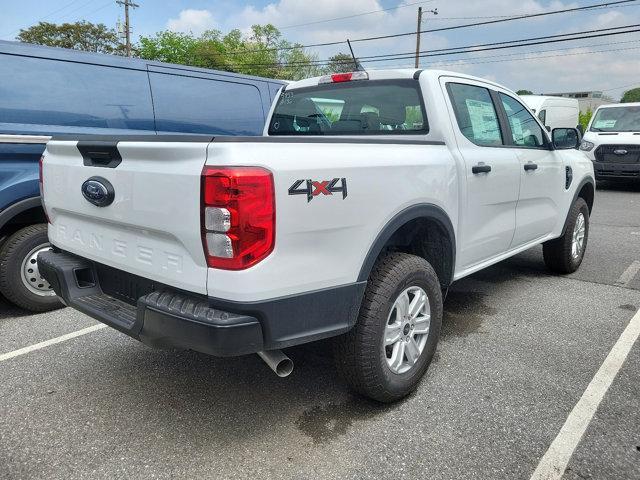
(314,188)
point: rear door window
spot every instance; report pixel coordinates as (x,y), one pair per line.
(206,105)
(44,95)
(365,107)
(476,114)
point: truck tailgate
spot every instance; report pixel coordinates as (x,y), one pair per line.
(152,227)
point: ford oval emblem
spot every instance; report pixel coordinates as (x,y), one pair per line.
(620,151)
(99,191)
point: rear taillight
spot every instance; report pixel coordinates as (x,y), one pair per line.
(238,216)
(41,184)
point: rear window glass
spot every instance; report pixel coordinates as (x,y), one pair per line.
(378,107)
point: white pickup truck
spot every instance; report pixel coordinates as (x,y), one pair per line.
(367,196)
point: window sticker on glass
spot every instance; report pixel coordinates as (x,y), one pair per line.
(605,123)
(483,121)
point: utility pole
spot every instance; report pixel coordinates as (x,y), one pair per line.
(127,28)
(434,12)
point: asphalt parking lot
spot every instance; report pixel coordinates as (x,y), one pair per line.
(518,350)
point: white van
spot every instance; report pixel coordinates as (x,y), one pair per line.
(612,141)
(554,112)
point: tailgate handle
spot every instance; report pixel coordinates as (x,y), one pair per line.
(99,154)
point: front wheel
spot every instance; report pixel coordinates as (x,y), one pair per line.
(388,351)
(565,254)
(20,280)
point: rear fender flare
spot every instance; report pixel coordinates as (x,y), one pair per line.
(424,210)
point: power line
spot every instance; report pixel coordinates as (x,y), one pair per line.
(49,15)
(66,15)
(521,54)
(545,37)
(529,57)
(621,86)
(441,29)
(480,47)
(59,10)
(490,22)
(605,7)
(354,15)
(501,47)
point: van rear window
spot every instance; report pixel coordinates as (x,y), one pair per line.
(377,107)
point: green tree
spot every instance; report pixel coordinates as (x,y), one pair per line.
(584,119)
(86,36)
(263,52)
(524,92)
(632,95)
(340,62)
(170,47)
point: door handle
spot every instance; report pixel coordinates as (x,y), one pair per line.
(481,169)
(530,166)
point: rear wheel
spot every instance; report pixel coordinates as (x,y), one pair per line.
(565,254)
(388,351)
(20,279)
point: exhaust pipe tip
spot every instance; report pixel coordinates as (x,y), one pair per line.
(278,362)
(284,368)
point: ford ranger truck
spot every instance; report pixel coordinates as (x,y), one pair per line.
(612,142)
(366,197)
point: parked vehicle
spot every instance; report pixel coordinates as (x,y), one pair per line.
(351,226)
(554,112)
(50,91)
(612,141)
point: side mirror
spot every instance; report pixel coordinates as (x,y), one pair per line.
(565,138)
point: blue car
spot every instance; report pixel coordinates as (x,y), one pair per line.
(50,91)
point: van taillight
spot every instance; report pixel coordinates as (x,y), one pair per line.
(41,184)
(40,181)
(238,216)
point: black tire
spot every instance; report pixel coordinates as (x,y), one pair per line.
(360,356)
(12,254)
(557,253)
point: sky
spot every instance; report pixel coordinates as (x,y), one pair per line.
(611,64)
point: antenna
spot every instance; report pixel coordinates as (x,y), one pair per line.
(356,64)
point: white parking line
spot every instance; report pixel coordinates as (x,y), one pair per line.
(555,460)
(629,274)
(53,341)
